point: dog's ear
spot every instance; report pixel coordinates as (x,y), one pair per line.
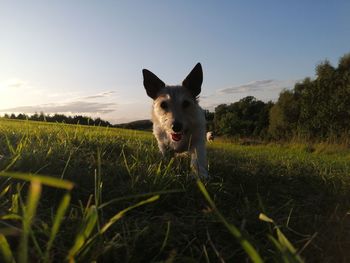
(152,83)
(194,80)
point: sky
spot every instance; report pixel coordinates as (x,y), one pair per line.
(86,57)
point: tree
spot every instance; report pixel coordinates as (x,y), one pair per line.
(318,109)
(246,118)
(209,117)
(284,116)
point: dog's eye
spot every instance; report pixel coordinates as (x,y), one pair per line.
(185,104)
(164,105)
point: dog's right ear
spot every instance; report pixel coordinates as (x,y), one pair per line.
(152,83)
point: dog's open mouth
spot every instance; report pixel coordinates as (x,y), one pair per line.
(176,136)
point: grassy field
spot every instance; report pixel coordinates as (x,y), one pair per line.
(117,200)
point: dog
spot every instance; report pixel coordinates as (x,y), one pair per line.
(178,121)
(210,136)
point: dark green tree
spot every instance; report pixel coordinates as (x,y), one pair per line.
(317,109)
(246,118)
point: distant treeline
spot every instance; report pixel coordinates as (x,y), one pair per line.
(60,118)
(144,125)
(315,109)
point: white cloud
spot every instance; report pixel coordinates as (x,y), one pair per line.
(259,85)
(73,107)
(100,95)
(264,90)
(19,96)
(22,96)
(16,83)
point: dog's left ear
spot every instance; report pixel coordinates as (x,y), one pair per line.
(194,80)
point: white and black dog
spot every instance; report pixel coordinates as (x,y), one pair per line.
(178,120)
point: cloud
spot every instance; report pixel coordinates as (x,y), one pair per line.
(16,84)
(74,107)
(259,85)
(100,95)
(264,90)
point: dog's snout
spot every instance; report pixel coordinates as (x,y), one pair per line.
(177,126)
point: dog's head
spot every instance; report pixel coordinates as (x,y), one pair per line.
(192,82)
(175,108)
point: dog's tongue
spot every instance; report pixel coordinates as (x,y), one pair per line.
(176,136)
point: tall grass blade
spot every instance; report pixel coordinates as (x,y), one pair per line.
(5,250)
(98,180)
(66,165)
(265,218)
(29,212)
(284,246)
(127,197)
(285,242)
(14,203)
(248,248)
(6,189)
(85,231)
(10,217)
(115,218)
(45,180)
(61,210)
(123,212)
(166,236)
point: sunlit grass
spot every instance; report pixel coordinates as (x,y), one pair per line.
(78,193)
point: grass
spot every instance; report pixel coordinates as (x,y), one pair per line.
(79,194)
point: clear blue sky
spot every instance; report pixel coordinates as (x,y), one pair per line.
(86,57)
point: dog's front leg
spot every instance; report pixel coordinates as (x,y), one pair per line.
(166,152)
(162,148)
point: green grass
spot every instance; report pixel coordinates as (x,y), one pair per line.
(118,200)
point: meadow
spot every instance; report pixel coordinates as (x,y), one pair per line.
(83,194)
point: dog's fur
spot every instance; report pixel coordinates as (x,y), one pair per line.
(210,136)
(178,120)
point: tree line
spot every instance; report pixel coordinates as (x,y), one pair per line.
(60,118)
(315,109)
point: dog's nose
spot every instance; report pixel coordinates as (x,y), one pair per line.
(177,126)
